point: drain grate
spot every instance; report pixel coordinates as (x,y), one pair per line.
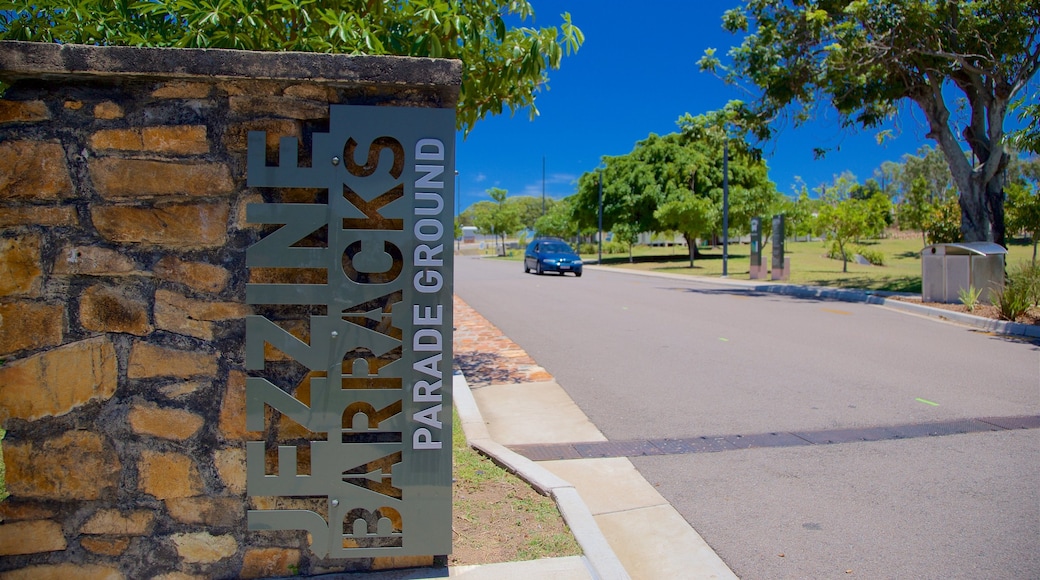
(639,448)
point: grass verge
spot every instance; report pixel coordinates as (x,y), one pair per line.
(497,516)
(809,263)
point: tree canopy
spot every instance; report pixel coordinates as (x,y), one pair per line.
(663,169)
(502,67)
(863,57)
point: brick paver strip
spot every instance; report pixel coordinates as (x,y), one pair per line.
(486,356)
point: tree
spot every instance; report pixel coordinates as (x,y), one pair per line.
(850,211)
(502,67)
(915,207)
(689,215)
(668,167)
(557,222)
(843,222)
(529,208)
(930,166)
(496,217)
(942,224)
(863,57)
(1023,205)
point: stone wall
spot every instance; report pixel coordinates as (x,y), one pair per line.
(122,285)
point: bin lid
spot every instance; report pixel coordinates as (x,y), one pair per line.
(966,249)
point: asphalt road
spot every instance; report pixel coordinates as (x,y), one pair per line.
(652,358)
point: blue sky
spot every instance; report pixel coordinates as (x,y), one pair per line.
(637,74)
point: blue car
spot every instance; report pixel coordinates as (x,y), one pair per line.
(551,255)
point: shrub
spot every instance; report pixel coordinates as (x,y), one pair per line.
(1027,277)
(875,257)
(970,297)
(1011,302)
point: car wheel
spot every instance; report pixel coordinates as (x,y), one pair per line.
(578,273)
(538,269)
(526,269)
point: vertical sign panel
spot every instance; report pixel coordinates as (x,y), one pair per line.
(377,349)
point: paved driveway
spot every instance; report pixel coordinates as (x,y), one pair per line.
(710,369)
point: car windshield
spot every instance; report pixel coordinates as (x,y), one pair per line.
(557,248)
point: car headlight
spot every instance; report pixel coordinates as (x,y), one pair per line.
(548,261)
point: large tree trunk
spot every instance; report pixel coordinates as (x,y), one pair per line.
(691,244)
(980,180)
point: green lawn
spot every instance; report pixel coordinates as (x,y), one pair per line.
(809,264)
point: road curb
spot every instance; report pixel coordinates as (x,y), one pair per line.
(603,561)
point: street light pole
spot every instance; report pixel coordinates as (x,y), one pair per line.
(600,218)
(725,206)
(543,184)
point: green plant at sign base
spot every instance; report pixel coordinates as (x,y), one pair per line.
(1011,302)
(970,297)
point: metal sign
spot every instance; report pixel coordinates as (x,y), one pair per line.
(778,241)
(756,242)
(380,333)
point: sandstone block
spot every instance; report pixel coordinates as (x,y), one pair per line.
(180,389)
(203,548)
(73,105)
(167,475)
(78,465)
(20,273)
(285,107)
(268,562)
(116,178)
(313,92)
(92,261)
(183,315)
(197,275)
(241,204)
(31,537)
(38,215)
(34,170)
(237,134)
(57,381)
(233,409)
(241,87)
(105,546)
(114,522)
(116,139)
(182,90)
(198,225)
(30,325)
(12,510)
(107,309)
(219,512)
(174,140)
(150,361)
(64,572)
(176,424)
(107,111)
(231,467)
(23,111)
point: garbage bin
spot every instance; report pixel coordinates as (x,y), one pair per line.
(946,269)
